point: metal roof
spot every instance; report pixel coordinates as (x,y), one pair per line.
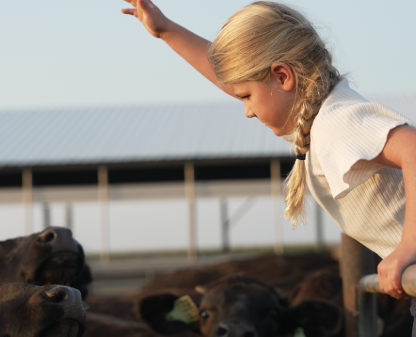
(136,134)
(146,134)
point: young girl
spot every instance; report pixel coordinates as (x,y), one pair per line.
(357,157)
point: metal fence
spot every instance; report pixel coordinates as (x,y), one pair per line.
(368,287)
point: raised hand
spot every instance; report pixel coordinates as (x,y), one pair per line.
(149,15)
(193,48)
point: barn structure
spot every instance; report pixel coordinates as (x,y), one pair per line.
(137,153)
(147,152)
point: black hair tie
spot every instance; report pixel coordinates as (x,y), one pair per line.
(301,156)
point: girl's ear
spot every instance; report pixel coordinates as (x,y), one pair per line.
(282,74)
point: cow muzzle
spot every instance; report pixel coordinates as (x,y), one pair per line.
(235,329)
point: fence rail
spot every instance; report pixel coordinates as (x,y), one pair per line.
(368,286)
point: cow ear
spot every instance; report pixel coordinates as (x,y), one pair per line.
(154,312)
(317,318)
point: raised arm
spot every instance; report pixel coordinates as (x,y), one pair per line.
(193,48)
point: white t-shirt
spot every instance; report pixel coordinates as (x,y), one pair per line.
(365,200)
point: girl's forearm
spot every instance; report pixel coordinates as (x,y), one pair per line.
(399,152)
(409,177)
(192,48)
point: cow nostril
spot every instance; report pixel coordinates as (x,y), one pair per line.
(222,330)
(49,237)
(56,295)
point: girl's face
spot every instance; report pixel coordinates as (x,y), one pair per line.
(270,102)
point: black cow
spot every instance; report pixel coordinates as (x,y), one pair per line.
(240,306)
(327,284)
(49,257)
(33,311)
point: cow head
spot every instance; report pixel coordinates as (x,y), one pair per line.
(49,257)
(33,311)
(239,306)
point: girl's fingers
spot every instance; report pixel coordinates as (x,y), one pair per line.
(145,4)
(129,11)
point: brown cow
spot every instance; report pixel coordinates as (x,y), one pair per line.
(284,271)
(240,306)
(33,311)
(327,284)
(49,257)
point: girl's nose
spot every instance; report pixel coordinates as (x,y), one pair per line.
(249,112)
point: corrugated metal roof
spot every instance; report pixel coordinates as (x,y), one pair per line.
(146,133)
(404,104)
(137,134)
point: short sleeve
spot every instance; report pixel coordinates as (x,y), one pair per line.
(345,138)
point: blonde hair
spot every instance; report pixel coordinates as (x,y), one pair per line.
(249,43)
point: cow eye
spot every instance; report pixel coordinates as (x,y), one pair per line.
(204,314)
(274,313)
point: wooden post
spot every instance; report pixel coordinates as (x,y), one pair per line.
(320,245)
(190,196)
(27,194)
(68,217)
(46,215)
(103,199)
(225,225)
(357,261)
(276,189)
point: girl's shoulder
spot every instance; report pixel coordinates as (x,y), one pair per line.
(345,112)
(349,130)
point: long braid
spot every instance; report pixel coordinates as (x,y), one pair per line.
(308,107)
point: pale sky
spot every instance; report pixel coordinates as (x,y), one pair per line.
(86,53)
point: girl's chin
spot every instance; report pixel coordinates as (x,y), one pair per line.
(278,132)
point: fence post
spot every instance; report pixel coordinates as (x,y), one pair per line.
(276,189)
(46,215)
(190,196)
(319,221)
(225,225)
(105,224)
(357,261)
(27,194)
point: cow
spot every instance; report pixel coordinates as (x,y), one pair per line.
(281,271)
(327,284)
(241,306)
(49,257)
(34,311)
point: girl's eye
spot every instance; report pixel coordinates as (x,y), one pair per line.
(204,314)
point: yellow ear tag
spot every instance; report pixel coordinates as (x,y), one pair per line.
(184,310)
(299,333)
